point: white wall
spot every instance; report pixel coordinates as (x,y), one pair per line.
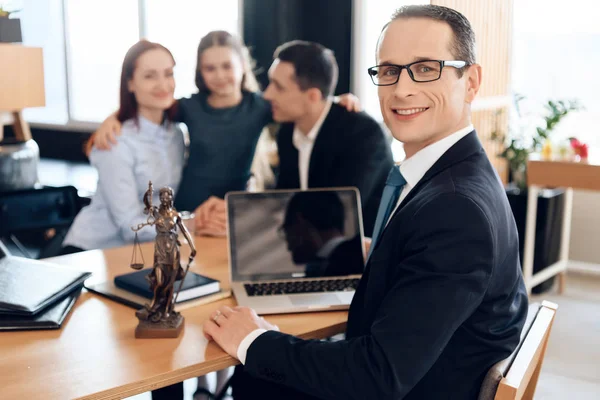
(585,227)
(368,19)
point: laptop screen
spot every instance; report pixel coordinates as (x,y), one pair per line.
(287,234)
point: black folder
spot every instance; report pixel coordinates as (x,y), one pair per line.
(51,317)
(29,286)
(194,285)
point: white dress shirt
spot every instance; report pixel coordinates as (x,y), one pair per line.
(413,169)
(304,144)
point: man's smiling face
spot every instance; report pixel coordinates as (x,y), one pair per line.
(421,113)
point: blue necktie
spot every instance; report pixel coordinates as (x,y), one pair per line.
(393,187)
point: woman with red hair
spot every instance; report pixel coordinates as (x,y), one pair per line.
(151,147)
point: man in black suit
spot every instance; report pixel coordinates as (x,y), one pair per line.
(314,228)
(442,297)
(320,143)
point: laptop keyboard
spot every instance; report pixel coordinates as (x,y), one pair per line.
(295,287)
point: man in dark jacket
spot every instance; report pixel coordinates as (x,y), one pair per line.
(442,298)
(320,143)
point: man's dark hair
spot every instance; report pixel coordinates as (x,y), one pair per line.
(315,65)
(324,210)
(463,42)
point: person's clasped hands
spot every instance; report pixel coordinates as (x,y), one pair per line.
(211,218)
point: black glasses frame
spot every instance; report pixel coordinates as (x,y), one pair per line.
(443,63)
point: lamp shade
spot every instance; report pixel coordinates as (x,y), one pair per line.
(21,77)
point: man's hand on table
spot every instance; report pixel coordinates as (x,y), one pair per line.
(229,326)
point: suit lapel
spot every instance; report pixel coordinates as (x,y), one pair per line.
(461,150)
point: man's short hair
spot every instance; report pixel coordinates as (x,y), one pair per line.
(463,43)
(315,65)
(324,210)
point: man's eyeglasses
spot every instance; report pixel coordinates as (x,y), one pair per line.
(419,71)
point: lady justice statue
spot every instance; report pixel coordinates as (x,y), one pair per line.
(159,319)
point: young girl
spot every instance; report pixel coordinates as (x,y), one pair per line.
(150,148)
(224,119)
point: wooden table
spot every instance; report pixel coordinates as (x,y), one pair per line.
(95,355)
(571,175)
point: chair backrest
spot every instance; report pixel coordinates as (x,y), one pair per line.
(31,209)
(522,377)
(515,377)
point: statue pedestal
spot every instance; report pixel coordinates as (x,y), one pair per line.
(169,327)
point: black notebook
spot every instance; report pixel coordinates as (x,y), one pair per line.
(109,290)
(28,286)
(194,285)
(51,317)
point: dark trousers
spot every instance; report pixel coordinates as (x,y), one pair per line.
(172,392)
(246,387)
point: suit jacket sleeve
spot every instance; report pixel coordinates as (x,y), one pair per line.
(437,282)
(366,154)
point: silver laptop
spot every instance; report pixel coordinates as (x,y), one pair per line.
(295,251)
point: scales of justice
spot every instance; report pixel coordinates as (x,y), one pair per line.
(159,318)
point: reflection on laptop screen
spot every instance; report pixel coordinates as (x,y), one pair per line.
(3,250)
(293,234)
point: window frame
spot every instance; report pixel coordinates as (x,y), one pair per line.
(73,124)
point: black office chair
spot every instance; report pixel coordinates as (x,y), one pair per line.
(33,220)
